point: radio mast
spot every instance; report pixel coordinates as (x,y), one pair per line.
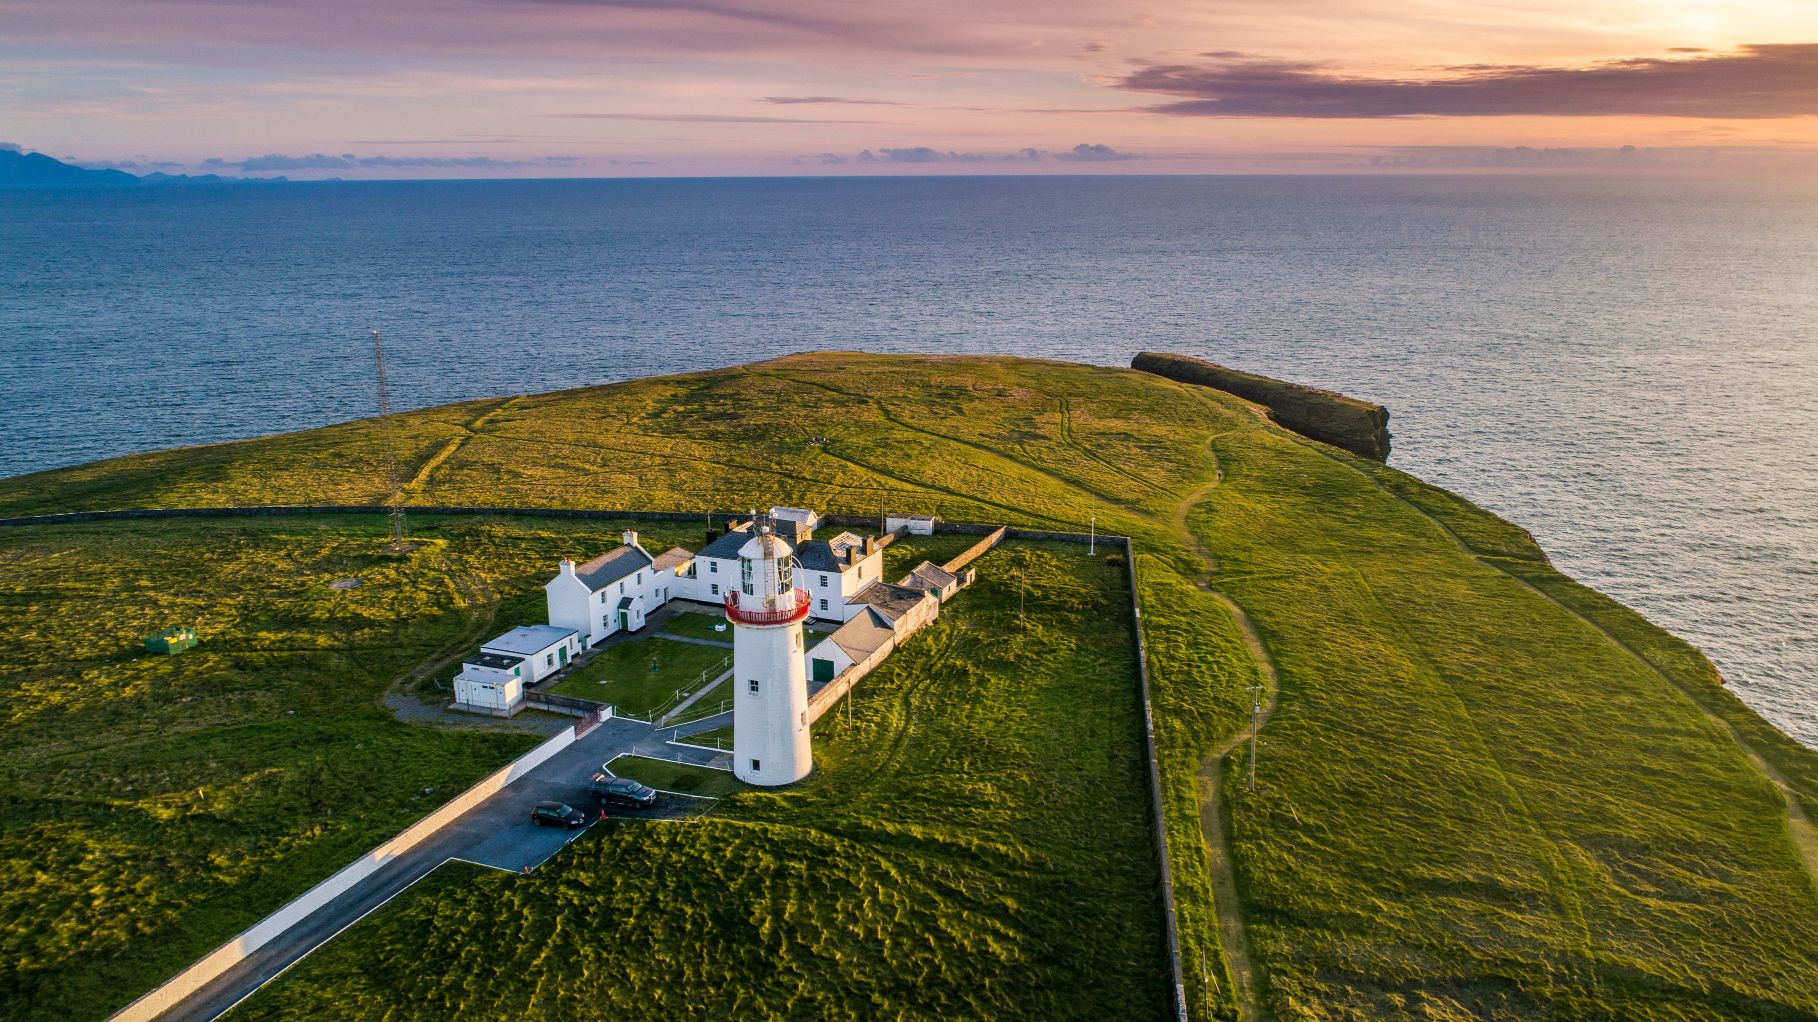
(392,481)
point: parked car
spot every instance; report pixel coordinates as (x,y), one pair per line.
(622,792)
(557,814)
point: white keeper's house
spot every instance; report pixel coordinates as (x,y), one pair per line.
(615,591)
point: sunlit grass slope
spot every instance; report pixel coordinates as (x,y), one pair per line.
(973,845)
(153,806)
(1475,801)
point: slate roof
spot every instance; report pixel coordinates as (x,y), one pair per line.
(624,603)
(611,566)
(527,640)
(828,555)
(891,602)
(671,558)
(862,636)
(929,575)
(727,546)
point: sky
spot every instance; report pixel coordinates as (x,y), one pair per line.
(578,88)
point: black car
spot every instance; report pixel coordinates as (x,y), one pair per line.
(622,792)
(556,814)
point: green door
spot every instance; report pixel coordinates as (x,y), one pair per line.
(562,654)
(624,620)
(823,669)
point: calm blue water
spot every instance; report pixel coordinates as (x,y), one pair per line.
(1628,369)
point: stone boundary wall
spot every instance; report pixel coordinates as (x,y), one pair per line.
(212,965)
(1155,791)
(193,978)
(974,552)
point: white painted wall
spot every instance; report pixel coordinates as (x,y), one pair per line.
(916,526)
(493,690)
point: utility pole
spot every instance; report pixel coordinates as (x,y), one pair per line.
(1256,692)
(391,459)
(1022,587)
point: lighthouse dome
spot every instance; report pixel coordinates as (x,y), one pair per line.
(765,544)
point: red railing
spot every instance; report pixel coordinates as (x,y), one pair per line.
(767,617)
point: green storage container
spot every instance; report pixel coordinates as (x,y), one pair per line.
(172,640)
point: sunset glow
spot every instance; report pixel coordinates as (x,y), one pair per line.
(605,87)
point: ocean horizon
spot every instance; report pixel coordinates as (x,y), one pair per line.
(1628,368)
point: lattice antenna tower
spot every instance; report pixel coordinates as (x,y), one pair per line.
(391,458)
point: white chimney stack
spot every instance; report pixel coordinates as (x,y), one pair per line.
(631,537)
(567,566)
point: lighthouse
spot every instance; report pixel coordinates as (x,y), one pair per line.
(769,676)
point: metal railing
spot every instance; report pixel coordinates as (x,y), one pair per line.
(769,617)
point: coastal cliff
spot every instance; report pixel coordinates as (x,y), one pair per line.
(1360,427)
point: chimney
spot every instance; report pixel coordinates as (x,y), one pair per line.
(870,545)
(631,537)
(567,566)
(852,554)
(712,534)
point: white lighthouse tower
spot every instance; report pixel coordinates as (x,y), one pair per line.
(769,674)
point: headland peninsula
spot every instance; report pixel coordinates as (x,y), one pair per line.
(1481,790)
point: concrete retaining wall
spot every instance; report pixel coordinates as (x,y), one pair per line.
(225,957)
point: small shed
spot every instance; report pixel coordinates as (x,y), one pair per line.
(172,640)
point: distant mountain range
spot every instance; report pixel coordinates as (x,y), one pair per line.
(36,170)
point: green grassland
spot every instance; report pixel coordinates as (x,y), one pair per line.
(973,845)
(693,625)
(152,806)
(676,777)
(643,674)
(1485,791)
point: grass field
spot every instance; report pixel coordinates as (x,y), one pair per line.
(638,676)
(1485,791)
(973,846)
(676,777)
(152,806)
(690,624)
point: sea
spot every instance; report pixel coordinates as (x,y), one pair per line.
(1628,367)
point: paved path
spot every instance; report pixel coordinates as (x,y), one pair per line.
(496,833)
(691,639)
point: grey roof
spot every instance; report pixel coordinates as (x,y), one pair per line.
(496,661)
(670,558)
(929,575)
(828,555)
(624,602)
(611,566)
(890,601)
(864,635)
(727,546)
(527,640)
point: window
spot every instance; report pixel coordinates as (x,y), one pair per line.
(713,567)
(823,581)
(640,578)
(716,589)
(804,718)
(823,604)
(602,596)
(754,685)
(621,587)
(606,621)
(754,766)
(549,660)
